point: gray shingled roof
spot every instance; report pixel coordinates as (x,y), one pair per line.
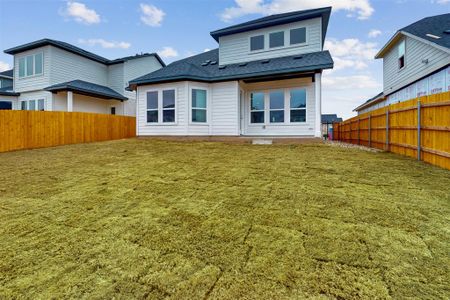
(87,88)
(8,91)
(7,73)
(278,19)
(330,118)
(194,68)
(76,50)
(435,25)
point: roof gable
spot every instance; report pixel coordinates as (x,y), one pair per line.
(278,19)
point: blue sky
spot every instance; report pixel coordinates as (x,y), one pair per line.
(180,28)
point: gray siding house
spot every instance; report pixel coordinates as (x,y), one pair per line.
(56,76)
(416,62)
(264,79)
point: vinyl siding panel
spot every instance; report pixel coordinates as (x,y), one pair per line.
(416,52)
(26,84)
(83,103)
(235,48)
(225,108)
(66,66)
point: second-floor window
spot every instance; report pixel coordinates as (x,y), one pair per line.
(31,65)
(297,36)
(401,55)
(276,39)
(257,43)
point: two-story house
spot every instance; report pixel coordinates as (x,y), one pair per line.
(57,76)
(263,80)
(416,62)
(7,96)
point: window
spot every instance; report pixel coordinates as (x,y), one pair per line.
(257,43)
(23,105)
(298,105)
(5,105)
(152,107)
(40,105)
(257,108)
(32,105)
(199,106)
(168,106)
(276,106)
(113,110)
(31,65)
(401,55)
(276,39)
(298,36)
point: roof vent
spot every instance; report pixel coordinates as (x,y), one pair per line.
(205,63)
(433,36)
(222,67)
(298,57)
(447,31)
(266,61)
(213,63)
(242,64)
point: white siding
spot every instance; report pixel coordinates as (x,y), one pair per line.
(293,129)
(225,108)
(83,103)
(36,95)
(416,52)
(66,66)
(33,83)
(235,48)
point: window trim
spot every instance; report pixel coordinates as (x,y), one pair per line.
(278,109)
(36,104)
(174,106)
(250,43)
(24,57)
(287,40)
(306,37)
(160,108)
(258,110)
(208,105)
(306,105)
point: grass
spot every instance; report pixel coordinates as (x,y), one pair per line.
(167,219)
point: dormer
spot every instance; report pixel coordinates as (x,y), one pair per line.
(273,36)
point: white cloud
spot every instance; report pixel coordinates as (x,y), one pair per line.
(351,53)
(168,52)
(206,50)
(375,32)
(151,15)
(362,8)
(4,66)
(443,1)
(80,13)
(105,44)
(350,82)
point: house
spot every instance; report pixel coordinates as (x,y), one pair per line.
(416,62)
(264,79)
(327,123)
(56,76)
(7,96)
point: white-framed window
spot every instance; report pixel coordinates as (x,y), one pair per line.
(297,36)
(38,104)
(297,104)
(31,65)
(161,106)
(257,108)
(257,42)
(276,39)
(276,106)
(199,106)
(401,55)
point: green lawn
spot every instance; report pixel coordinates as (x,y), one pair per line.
(166,219)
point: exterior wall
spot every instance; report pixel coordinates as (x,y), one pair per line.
(222,114)
(11,99)
(66,66)
(36,95)
(235,48)
(416,52)
(286,129)
(37,82)
(83,103)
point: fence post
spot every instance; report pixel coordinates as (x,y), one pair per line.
(419,120)
(370,131)
(359,138)
(387,129)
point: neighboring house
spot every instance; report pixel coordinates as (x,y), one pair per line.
(327,122)
(7,96)
(263,80)
(57,76)
(416,62)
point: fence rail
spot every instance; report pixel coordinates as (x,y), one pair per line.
(38,129)
(417,128)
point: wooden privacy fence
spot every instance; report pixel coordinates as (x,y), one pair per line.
(417,128)
(38,129)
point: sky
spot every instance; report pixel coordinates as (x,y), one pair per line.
(180,28)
